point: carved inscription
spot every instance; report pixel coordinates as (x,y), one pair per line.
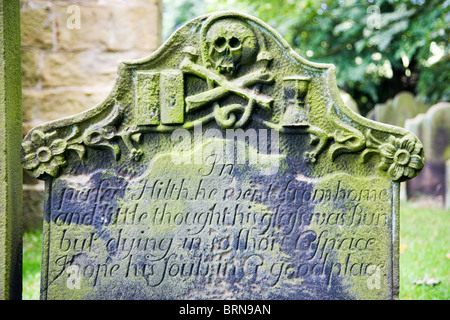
(219,228)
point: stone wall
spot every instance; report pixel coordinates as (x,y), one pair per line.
(70,54)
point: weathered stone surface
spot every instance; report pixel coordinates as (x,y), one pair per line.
(223,165)
(110,28)
(395,111)
(433,129)
(10,137)
(37,29)
(30,68)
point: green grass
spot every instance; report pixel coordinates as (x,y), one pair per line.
(424,254)
(32,246)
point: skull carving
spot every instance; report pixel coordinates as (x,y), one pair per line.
(230,43)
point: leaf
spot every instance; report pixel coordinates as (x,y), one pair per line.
(136,137)
(79,149)
(367,153)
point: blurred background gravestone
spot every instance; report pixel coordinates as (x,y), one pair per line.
(447,184)
(395,111)
(70,53)
(433,129)
(349,101)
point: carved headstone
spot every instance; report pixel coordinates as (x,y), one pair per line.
(395,111)
(433,129)
(224,165)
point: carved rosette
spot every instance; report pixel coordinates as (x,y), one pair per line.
(44,154)
(250,76)
(402,158)
(42,158)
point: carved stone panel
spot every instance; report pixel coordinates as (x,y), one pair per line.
(223,166)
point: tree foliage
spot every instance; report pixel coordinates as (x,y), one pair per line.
(379,47)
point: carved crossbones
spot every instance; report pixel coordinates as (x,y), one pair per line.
(237,86)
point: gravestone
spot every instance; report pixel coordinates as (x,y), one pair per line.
(223,166)
(433,130)
(447,184)
(10,137)
(395,111)
(349,101)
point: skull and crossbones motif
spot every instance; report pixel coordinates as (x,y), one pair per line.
(229,45)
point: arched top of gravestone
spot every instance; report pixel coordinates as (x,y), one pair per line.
(230,70)
(401,107)
(433,129)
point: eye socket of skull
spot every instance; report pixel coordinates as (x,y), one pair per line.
(220,43)
(234,43)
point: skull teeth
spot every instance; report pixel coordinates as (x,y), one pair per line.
(225,69)
(225,66)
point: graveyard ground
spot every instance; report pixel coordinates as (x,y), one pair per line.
(424,254)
